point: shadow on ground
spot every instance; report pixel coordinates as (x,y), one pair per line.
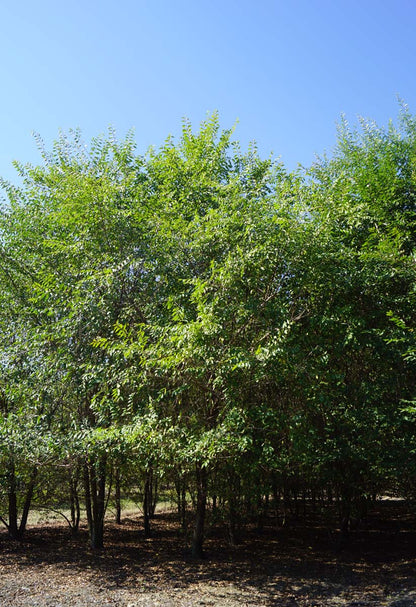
(302,564)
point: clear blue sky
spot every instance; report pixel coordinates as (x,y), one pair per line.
(286,69)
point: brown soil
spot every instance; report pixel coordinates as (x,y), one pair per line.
(301,565)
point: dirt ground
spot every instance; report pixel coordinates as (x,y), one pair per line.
(301,565)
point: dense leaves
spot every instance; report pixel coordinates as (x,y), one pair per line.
(201,318)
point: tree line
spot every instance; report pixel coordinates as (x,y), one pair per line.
(203,319)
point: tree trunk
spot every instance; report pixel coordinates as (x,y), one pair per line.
(118,496)
(16,531)
(28,501)
(94,485)
(201,503)
(87,496)
(74,497)
(146,504)
(232,522)
(153,494)
(260,512)
(180,486)
(345,525)
(12,525)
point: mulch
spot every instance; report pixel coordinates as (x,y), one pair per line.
(303,564)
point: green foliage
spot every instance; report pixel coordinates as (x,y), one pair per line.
(197,308)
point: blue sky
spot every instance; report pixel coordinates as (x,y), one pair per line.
(285,69)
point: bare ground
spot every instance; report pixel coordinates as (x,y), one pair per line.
(301,565)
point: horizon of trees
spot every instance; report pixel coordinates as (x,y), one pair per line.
(201,318)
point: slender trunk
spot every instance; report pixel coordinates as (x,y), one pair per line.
(260,512)
(146,503)
(181,497)
(94,484)
(201,502)
(266,502)
(99,506)
(118,496)
(12,526)
(178,495)
(183,508)
(72,504)
(16,530)
(28,501)
(87,494)
(232,522)
(286,505)
(153,495)
(75,507)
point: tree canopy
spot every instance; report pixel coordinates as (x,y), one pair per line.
(203,318)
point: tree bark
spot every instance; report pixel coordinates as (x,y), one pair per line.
(153,494)
(180,486)
(201,503)
(146,505)
(232,522)
(28,501)
(12,497)
(74,497)
(94,486)
(118,496)
(17,530)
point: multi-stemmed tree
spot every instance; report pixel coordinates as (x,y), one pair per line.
(202,314)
